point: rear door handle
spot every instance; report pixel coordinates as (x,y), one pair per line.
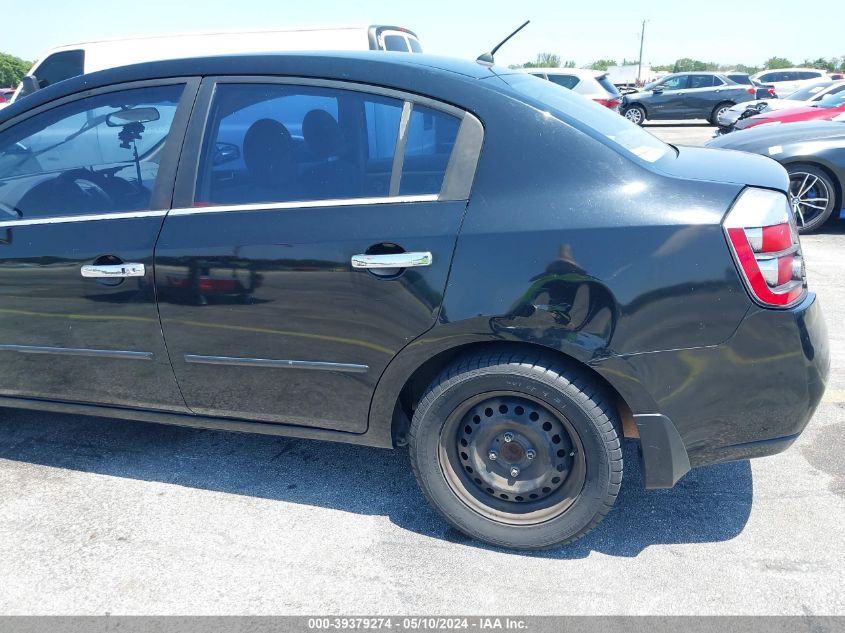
(392,260)
(113,270)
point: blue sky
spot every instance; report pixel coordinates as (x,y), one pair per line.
(713,30)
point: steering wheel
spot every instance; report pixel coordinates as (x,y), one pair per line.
(90,185)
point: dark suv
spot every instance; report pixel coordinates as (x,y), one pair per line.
(401,250)
(699,95)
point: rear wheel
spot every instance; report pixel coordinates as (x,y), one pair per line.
(812,194)
(517,451)
(635,114)
(719,110)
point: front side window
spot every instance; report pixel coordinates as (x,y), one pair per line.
(94,155)
(675,83)
(285,143)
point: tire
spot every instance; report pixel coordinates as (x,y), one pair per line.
(547,408)
(811,187)
(725,105)
(635,114)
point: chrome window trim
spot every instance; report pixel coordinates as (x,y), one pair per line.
(307,204)
(64,219)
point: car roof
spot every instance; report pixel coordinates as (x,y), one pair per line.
(774,70)
(384,68)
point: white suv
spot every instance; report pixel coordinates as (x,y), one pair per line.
(592,84)
(786,80)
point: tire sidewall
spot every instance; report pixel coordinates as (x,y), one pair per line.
(825,216)
(430,421)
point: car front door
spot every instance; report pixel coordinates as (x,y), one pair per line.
(666,100)
(311,241)
(84,186)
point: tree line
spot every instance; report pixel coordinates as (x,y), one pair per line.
(685,64)
(12,70)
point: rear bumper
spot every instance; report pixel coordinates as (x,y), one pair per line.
(749,397)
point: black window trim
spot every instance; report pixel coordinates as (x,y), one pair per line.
(457,181)
(162,195)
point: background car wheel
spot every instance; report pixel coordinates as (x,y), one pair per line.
(517,451)
(635,114)
(720,109)
(812,194)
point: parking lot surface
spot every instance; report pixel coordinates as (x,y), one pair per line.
(107,516)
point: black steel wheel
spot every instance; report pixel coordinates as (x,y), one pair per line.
(812,195)
(517,451)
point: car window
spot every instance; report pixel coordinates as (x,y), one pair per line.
(415,45)
(675,83)
(604,82)
(617,131)
(701,81)
(395,43)
(285,143)
(740,79)
(802,94)
(94,155)
(808,74)
(831,100)
(60,66)
(567,81)
(431,137)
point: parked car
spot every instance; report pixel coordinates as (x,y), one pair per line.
(763,91)
(592,84)
(800,98)
(813,154)
(501,275)
(6,96)
(786,80)
(825,109)
(63,62)
(686,96)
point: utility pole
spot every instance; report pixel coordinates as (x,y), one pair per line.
(640,63)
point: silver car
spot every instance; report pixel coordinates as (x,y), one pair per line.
(804,96)
(593,84)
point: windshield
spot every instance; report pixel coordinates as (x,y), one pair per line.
(580,112)
(808,91)
(833,100)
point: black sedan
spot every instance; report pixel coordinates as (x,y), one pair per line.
(401,250)
(814,155)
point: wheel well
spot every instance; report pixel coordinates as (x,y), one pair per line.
(837,186)
(418,382)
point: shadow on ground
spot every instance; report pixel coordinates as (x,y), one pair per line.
(709,504)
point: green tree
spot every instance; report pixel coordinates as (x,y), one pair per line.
(776,62)
(686,64)
(544,60)
(570,64)
(602,64)
(12,70)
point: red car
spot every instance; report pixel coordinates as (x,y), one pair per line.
(827,108)
(6,94)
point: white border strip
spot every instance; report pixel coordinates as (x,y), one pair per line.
(262,206)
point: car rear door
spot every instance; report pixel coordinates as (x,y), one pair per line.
(84,186)
(311,241)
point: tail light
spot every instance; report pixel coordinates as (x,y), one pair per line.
(771,91)
(764,241)
(751,91)
(608,103)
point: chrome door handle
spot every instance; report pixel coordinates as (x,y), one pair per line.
(392,260)
(113,270)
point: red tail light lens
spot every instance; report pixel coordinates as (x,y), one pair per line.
(764,241)
(608,103)
(751,91)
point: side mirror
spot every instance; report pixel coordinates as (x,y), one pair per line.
(29,84)
(657,90)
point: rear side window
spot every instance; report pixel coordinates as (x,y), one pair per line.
(809,74)
(567,81)
(60,66)
(395,43)
(740,79)
(605,83)
(95,155)
(431,138)
(285,143)
(701,81)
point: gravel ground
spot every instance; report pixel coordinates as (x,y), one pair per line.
(106,516)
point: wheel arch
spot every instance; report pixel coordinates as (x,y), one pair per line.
(395,400)
(639,104)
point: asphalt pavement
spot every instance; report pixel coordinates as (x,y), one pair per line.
(107,516)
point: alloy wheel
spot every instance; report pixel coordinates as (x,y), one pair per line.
(809,196)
